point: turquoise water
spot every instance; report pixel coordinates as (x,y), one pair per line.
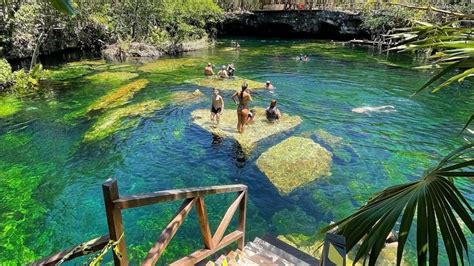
(51,178)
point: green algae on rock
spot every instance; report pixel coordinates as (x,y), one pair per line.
(170,64)
(116,120)
(119,96)
(184,97)
(9,105)
(258,130)
(232,84)
(295,162)
(108,77)
(328,137)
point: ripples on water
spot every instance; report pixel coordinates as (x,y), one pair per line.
(167,151)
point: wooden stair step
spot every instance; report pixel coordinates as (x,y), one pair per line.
(281,253)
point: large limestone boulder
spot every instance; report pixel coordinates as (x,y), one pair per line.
(232,84)
(295,162)
(253,133)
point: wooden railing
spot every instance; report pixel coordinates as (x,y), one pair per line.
(114,205)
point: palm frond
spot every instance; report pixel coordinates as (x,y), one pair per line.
(63,6)
(435,200)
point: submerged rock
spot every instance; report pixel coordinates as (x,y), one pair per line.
(116,120)
(9,105)
(119,96)
(183,97)
(295,162)
(254,132)
(232,84)
(108,77)
(328,138)
(170,65)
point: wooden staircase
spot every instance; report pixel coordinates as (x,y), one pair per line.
(262,252)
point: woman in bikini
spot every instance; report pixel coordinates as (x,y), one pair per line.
(242,106)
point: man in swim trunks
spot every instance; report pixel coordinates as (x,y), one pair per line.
(208,70)
(242,106)
(223,73)
(230,70)
(217,106)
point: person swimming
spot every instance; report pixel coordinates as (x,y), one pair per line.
(269,85)
(208,71)
(217,106)
(272,112)
(305,58)
(366,109)
(244,98)
(223,73)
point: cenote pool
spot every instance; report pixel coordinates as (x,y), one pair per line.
(58,148)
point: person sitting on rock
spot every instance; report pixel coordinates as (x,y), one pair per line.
(251,116)
(208,71)
(230,70)
(223,73)
(272,112)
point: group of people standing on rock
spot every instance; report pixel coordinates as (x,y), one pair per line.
(225,71)
(242,99)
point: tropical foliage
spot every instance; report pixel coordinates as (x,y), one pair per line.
(437,203)
(31,24)
(451,45)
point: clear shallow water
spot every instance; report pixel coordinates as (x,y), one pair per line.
(51,179)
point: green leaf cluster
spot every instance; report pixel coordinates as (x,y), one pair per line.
(439,207)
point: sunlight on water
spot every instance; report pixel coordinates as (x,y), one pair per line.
(50,177)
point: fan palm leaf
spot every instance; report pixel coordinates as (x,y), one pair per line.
(437,204)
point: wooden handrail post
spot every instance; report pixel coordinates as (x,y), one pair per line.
(204,223)
(242,219)
(114,220)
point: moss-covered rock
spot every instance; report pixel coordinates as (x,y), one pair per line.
(119,119)
(258,130)
(184,97)
(172,64)
(233,84)
(9,105)
(109,77)
(328,137)
(69,72)
(119,96)
(295,162)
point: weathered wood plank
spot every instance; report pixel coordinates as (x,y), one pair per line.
(168,233)
(199,255)
(174,194)
(242,220)
(114,220)
(204,223)
(82,249)
(226,220)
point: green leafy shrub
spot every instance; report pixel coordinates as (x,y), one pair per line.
(5,71)
(28,82)
(381,20)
